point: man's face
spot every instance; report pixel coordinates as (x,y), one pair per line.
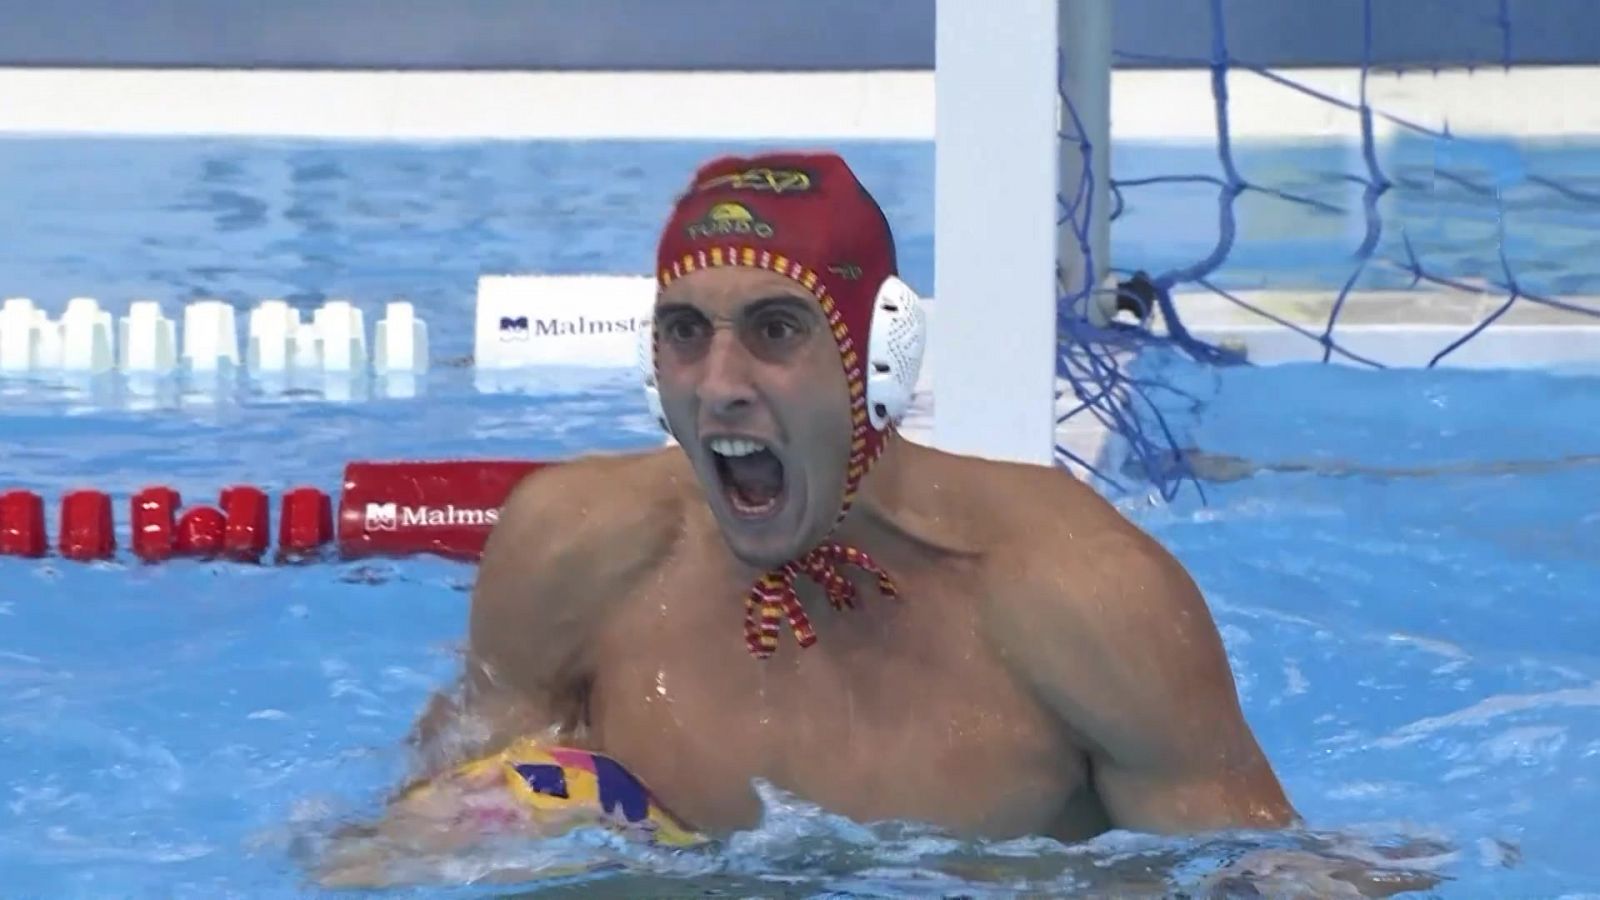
(753,390)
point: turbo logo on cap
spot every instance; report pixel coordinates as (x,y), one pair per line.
(730,220)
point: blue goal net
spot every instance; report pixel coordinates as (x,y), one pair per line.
(1423,210)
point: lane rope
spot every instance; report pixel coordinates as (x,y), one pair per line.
(385,508)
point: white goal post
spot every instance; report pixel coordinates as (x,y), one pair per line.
(1001,165)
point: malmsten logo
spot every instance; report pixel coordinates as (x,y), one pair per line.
(521,328)
(393,516)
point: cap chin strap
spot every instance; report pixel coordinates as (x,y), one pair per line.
(773,598)
(896,340)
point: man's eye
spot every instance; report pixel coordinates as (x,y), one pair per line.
(681,330)
(778,328)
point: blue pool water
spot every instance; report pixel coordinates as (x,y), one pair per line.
(1404,577)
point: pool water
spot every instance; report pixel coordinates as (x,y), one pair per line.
(1403,564)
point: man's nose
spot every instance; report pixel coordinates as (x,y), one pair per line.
(725,390)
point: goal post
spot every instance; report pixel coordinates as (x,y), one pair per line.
(1019,193)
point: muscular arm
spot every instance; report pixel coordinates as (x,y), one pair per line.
(1116,637)
(1173,751)
(1170,748)
(569,541)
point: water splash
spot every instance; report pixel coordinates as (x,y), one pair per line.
(800,849)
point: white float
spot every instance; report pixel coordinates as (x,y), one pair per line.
(148,340)
(342,336)
(210,336)
(400,341)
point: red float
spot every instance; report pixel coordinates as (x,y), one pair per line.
(305,522)
(200,532)
(87,530)
(445,508)
(22,524)
(247,529)
(152,512)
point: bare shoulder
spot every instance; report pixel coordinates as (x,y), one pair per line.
(583,524)
(1054,541)
(1062,531)
(1114,635)
(1101,617)
(565,508)
(570,537)
(1020,505)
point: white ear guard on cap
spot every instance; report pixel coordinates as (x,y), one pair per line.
(898,334)
(647,371)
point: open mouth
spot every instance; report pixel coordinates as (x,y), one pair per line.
(751,474)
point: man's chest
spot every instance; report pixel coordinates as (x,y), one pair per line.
(900,710)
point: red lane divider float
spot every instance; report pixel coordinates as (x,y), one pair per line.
(21,524)
(306,522)
(87,531)
(446,508)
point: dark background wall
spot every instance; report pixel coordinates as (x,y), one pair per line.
(745,34)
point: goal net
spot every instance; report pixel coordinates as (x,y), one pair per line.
(1413,203)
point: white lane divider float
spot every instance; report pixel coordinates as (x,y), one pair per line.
(148,340)
(400,341)
(278,340)
(86,341)
(272,343)
(341,332)
(210,336)
(28,339)
(19,335)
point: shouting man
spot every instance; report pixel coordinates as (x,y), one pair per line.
(795,593)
